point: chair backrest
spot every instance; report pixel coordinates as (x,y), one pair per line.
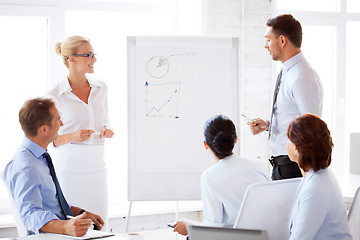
(22,231)
(354,215)
(267,206)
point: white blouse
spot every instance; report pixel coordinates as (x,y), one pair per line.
(77,115)
(223,186)
(319,211)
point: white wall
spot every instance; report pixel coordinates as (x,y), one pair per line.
(246,19)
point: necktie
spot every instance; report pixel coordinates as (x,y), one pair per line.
(59,194)
(277,87)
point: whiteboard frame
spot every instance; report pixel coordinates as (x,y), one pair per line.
(138,191)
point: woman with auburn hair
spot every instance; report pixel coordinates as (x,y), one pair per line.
(79,148)
(319,210)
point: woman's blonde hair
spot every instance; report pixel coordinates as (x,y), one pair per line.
(69,47)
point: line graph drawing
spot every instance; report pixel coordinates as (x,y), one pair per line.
(158,66)
(162,100)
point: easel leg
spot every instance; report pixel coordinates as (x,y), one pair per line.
(128,218)
(177,216)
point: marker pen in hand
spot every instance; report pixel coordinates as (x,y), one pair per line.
(169,225)
(250,120)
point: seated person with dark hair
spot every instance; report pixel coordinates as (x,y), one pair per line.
(32,180)
(223,185)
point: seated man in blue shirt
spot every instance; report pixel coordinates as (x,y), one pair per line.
(31,178)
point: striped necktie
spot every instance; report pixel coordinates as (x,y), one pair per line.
(277,87)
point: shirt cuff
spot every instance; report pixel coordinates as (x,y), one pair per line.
(37,220)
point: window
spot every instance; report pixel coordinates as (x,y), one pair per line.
(309,5)
(353,83)
(24,69)
(322,40)
(352,87)
(353,6)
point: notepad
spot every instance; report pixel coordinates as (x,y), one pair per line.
(91,234)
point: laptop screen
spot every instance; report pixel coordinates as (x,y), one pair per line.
(214,233)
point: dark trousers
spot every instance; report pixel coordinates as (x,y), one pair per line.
(284,168)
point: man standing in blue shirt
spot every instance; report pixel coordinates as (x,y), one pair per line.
(31,178)
(298,90)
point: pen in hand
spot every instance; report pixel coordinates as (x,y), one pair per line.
(248,119)
(169,225)
(72,217)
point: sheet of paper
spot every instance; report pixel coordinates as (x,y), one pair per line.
(91,234)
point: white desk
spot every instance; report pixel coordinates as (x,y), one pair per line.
(55,237)
(164,234)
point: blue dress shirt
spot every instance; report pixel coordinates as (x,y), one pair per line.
(319,210)
(28,177)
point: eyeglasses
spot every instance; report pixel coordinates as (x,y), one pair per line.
(89,55)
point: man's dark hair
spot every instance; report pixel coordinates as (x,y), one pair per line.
(288,26)
(35,113)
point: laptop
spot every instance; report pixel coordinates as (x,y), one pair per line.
(215,233)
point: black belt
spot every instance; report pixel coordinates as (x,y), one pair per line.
(279,160)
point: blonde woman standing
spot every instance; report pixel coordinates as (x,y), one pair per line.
(79,148)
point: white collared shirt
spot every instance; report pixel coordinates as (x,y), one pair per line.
(77,115)
(223,186)
(300,92)
(319,210)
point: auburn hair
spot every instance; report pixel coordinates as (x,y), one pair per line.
(313,141)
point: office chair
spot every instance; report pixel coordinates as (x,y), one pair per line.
(267,206)
(354,215)
(21,229)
